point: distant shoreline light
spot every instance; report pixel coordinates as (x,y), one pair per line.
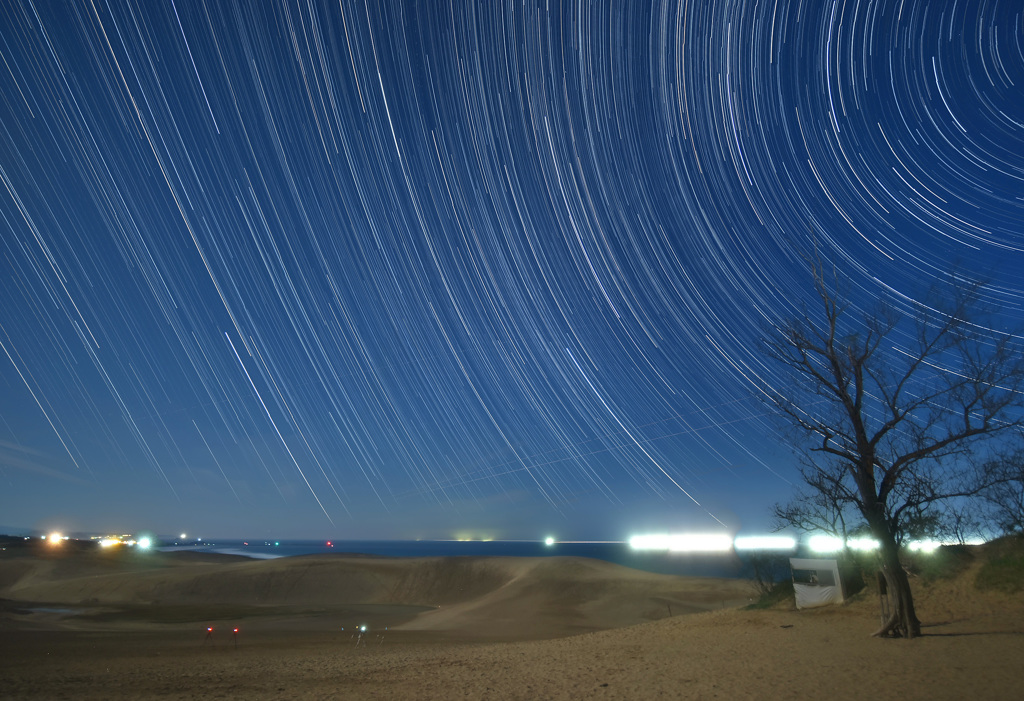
(683,542)
(764,542)
(821,543)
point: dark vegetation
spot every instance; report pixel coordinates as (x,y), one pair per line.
(1001,568)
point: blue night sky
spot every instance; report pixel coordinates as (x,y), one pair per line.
(385,269)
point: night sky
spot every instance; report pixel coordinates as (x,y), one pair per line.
(427,269)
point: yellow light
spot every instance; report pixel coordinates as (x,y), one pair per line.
(55,538)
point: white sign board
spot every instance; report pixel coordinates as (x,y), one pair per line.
(816,582)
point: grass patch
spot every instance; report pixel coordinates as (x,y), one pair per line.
(946,562)
(1005,574)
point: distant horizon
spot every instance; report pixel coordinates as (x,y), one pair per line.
(647,542)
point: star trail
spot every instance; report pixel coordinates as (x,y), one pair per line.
(389,269)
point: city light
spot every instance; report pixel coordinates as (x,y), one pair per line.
(862,544)
(819,543)
(683,542)
(765,542)
(824,543)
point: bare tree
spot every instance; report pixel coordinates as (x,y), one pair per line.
(829,506)
(887,405)
(1006,495)
(768,572)
(960,523)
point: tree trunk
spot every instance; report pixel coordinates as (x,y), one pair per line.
(902,621)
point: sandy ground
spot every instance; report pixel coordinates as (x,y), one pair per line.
(472,628)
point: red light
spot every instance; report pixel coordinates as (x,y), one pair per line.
(236,631)
(330,544)
(209,630)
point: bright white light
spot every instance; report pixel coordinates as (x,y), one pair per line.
(549,541)
(649,542)
(145,542)
(823,543)
(107,542)
(702,542)
(183,536)
(683,542)
(924,546)
(863,544)
(765,542)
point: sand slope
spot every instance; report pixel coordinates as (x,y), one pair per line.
(491,598)
(972,645)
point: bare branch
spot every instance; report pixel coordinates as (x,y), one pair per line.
(887,408)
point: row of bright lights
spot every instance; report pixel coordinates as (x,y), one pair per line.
(143,542)
(676,543)
(722,542)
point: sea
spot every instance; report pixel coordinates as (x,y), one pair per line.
(729,565)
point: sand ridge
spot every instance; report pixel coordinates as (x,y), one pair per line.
(484,597)
(971,647)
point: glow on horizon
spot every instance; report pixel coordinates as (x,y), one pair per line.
(683,542)
(820,543)
(764,542)
(824,543)
(863,544)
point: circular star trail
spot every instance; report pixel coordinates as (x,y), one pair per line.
(410,266)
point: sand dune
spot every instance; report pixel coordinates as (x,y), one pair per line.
(150,644)
(492,598)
